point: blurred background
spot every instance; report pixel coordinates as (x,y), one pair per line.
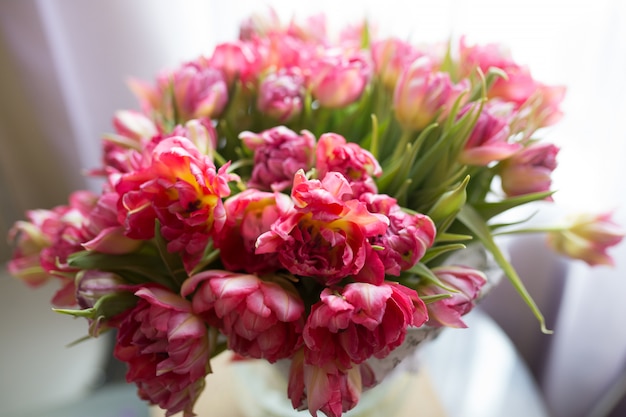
(62,69)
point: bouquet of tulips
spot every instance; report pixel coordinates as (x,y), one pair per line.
(295,196)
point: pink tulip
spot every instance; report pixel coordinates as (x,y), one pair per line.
(248,215)
(350,325)
(391,57)
(199,91)
(166,349)
(261,319)
(47,240)
(448,311)
(423,96)
(489,140)
(134,125)
(278,154)
(337,80)
(529,170)
(332,392)
(236,60)
(588,237)
(281,94)
(183,190)
(107,234)
(325,235)
(408,235)
(334,153)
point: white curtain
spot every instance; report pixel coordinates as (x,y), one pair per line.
(62,70)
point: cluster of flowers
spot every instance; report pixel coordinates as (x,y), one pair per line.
(294,196)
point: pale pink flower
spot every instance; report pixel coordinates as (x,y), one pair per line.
(166,349)
(391,57)
(199,91)
(337,78)
(201,133)
(407,238)
(466,282)
(588,237)
(45,242)
(281,94)
(361,320)
(134,125)
(423,96)
(326,234)
(237,61)
(279,153)
(260,318)
(518,85)
(489,140)
(183,190)
(358,165)
(248,215)
(529,170)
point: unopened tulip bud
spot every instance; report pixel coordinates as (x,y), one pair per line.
(448,205)
(587,237)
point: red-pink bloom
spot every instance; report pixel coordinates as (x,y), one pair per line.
(334,153)
(391,57)
(529,170)
(281,94)
(350,325)
(248,215)
(407,238)
(326,234)
(338,79)
(279,153)
(489,140)
(332,392)
(236,60)
(183,190)
(448,311)
(260,318)
(166,349)
(423,96)
(588,237)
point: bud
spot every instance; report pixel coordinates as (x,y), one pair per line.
(445,209)
(281,94)
(587,237)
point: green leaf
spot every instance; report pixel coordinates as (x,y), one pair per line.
(477,225)
(421,270)
(437,251)
(488,210)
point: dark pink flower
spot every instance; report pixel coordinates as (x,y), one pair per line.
(183,190)
(466,282)
(334,153)
(333,392)
(326,234)
(407,238)
(350,325)
(278,153)
(248,215)
(260,318)
(166,349)
(529,170)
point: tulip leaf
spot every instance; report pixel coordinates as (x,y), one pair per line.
(488,210)
(477,225)
(433,253)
